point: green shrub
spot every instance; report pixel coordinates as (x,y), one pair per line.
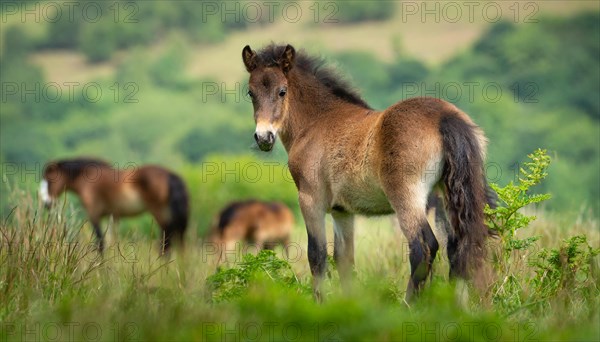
(506,219)
(406,70)
(568,268)
(168,70)
(98,41)
(64,33)
(232,283)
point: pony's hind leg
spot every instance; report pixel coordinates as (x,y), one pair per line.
(167,234)
(423,246)
(170,236)
(94,212)
(343,251)
(113,229)
(99,235)
(441,225)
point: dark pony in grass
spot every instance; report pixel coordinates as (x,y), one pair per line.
(260,223)
(106,191)
(349,159)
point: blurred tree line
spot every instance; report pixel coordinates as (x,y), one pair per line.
(548,72)
(103,27)
(351,12)
(125,23)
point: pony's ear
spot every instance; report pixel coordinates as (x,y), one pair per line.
(287,58)
(49,168)
(249,57)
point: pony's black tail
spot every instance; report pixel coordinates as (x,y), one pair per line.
(465,195)
(179,206)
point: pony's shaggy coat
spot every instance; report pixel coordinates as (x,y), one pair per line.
(347,159)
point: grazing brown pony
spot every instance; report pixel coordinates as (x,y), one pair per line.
(106,191)
(347,158)
(264,224)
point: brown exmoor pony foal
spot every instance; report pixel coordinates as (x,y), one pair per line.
(106,191)
(347,159)
(264,224)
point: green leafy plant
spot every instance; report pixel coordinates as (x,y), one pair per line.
(233,283)
(549,272)
(506,219)
(569,267)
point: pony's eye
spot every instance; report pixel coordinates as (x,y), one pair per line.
(282,92)
(250,94)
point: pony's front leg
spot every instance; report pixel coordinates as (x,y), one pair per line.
(314,217)
(343,251)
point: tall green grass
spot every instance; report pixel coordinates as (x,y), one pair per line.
(54,286)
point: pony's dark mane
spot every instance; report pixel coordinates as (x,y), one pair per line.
(74,167)
(327,76)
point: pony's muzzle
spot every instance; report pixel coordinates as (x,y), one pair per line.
(44,194)
(265,140)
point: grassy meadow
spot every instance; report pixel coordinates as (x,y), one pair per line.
(172,92)
(55,286)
